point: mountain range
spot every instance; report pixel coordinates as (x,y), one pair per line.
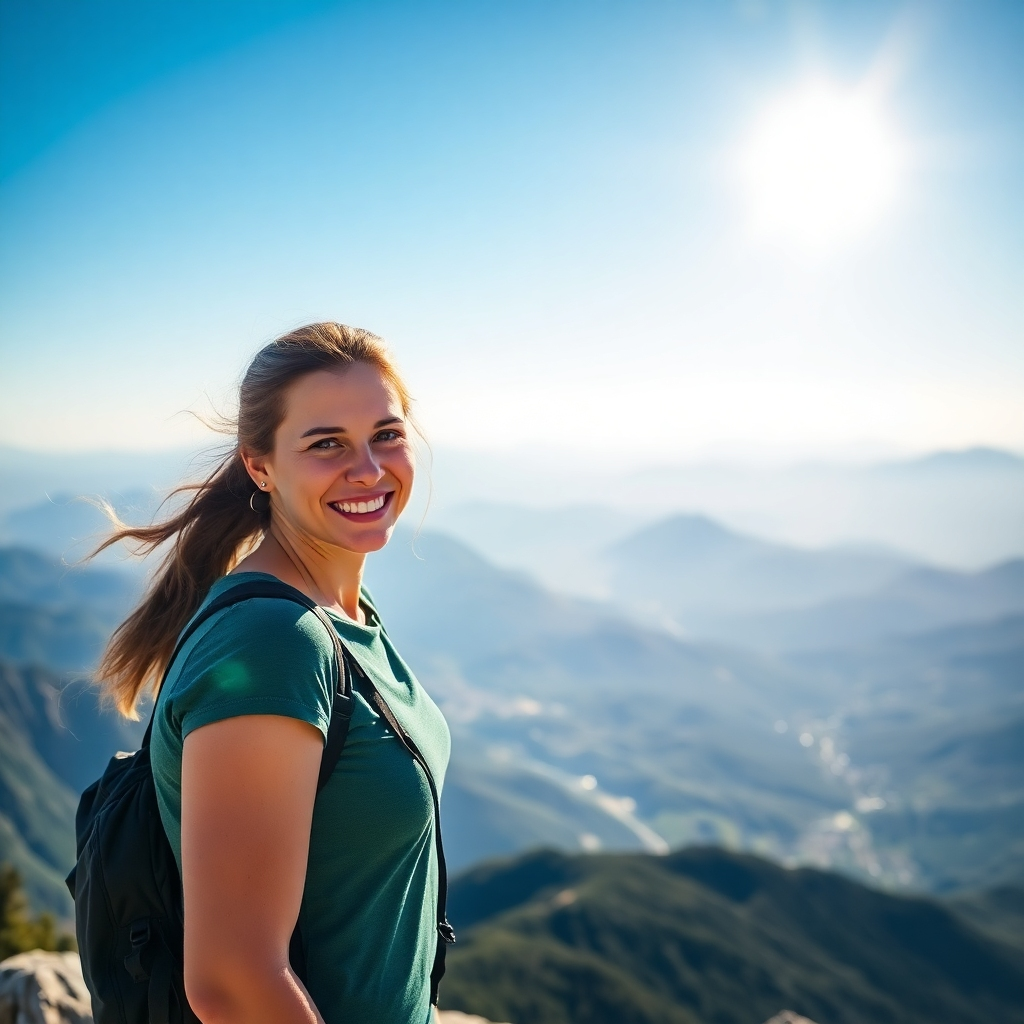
(55,739)
(696,577)
(54,736)
(961,509)
(891,753)
(830,757)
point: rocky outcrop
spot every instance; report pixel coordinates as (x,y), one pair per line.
(43,988)
(48,988)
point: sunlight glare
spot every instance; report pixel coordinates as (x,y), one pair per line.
(820,166)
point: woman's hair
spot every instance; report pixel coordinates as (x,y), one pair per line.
(218,522)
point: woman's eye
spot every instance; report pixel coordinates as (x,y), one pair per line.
(327,442)
(388,435)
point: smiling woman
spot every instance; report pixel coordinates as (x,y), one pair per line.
(311,868)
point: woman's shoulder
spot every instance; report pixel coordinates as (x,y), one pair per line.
(261,655)
(261,623)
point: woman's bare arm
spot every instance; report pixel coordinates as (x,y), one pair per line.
(247,791)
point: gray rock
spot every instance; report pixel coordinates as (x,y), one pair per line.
(43,988)
(789,1017)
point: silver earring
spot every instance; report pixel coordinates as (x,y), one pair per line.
(264,505)
(263,483)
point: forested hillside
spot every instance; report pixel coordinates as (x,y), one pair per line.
(704,935)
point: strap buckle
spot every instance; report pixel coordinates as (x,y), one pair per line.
(139,934)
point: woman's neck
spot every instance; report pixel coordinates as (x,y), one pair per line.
(328,575)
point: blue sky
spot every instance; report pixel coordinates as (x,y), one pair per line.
(538,204)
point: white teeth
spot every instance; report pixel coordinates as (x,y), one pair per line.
(360,507)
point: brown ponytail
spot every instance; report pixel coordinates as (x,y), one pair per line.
(218,524)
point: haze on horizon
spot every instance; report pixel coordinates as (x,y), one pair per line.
(654,229)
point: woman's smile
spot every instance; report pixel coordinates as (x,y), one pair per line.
(364,509)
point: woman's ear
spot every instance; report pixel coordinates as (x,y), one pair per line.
(256,467)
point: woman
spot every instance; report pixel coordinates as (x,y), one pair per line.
(322,469)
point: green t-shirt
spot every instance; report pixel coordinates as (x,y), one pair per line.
(368,913)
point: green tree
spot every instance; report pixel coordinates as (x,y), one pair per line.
(19,930)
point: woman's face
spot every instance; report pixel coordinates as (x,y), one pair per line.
(342,467)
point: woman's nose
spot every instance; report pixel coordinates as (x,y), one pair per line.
(365,468)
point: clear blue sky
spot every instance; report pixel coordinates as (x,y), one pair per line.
(538,204)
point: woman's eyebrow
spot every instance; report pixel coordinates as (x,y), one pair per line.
(314,431)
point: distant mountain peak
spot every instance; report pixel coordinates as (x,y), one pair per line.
(979,458)
(688,533)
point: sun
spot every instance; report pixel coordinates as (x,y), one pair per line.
(820,166)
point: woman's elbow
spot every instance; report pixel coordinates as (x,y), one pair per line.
(210,1003)
(214,998)
(228,991)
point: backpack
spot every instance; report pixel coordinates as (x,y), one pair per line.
(129,917)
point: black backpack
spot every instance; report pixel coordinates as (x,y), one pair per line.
(125,884)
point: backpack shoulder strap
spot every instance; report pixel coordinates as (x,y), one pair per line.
(341,709)
(445,932)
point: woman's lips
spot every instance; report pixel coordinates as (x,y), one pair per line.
(376,506)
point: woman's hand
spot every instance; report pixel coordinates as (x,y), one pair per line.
(247,791)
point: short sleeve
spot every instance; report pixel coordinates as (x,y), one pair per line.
(259,657)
